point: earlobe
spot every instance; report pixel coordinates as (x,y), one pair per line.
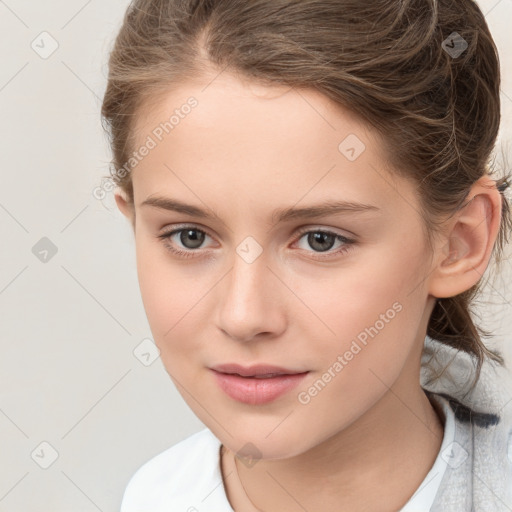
(466,252)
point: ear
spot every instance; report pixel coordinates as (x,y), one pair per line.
(468,242)
(125,207)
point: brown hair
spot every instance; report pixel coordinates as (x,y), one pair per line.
(393,62)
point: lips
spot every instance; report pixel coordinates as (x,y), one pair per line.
(260,371)
(257,384)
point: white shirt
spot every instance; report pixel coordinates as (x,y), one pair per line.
(187,477)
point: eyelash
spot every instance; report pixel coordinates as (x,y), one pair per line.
(348,243)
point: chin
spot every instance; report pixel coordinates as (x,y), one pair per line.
(273,447)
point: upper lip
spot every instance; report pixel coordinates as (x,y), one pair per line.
(257,369)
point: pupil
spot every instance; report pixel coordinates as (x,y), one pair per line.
(320,238)
(194,235)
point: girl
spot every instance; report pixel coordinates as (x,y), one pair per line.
(309,186)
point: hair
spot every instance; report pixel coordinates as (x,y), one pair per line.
(438,113)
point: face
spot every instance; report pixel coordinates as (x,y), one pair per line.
(336,293)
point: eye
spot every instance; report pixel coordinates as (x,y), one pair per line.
(322,241)
(189,237)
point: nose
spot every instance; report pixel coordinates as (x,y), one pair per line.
(250,301)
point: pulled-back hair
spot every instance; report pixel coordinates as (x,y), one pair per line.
(396,63)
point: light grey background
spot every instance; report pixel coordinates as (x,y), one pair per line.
(69,326)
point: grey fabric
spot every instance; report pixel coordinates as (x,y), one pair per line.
(479,473)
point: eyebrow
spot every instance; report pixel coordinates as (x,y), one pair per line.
(282,214)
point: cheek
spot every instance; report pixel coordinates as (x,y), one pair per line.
(170,292)
(376,305)
(375,320)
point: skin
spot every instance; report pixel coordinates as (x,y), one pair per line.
(369,438)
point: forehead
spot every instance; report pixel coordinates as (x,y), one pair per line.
(243,139)
(234,105)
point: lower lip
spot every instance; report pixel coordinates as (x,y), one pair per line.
(250,390)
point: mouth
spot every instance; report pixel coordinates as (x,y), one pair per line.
(256,385)
(261,371)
